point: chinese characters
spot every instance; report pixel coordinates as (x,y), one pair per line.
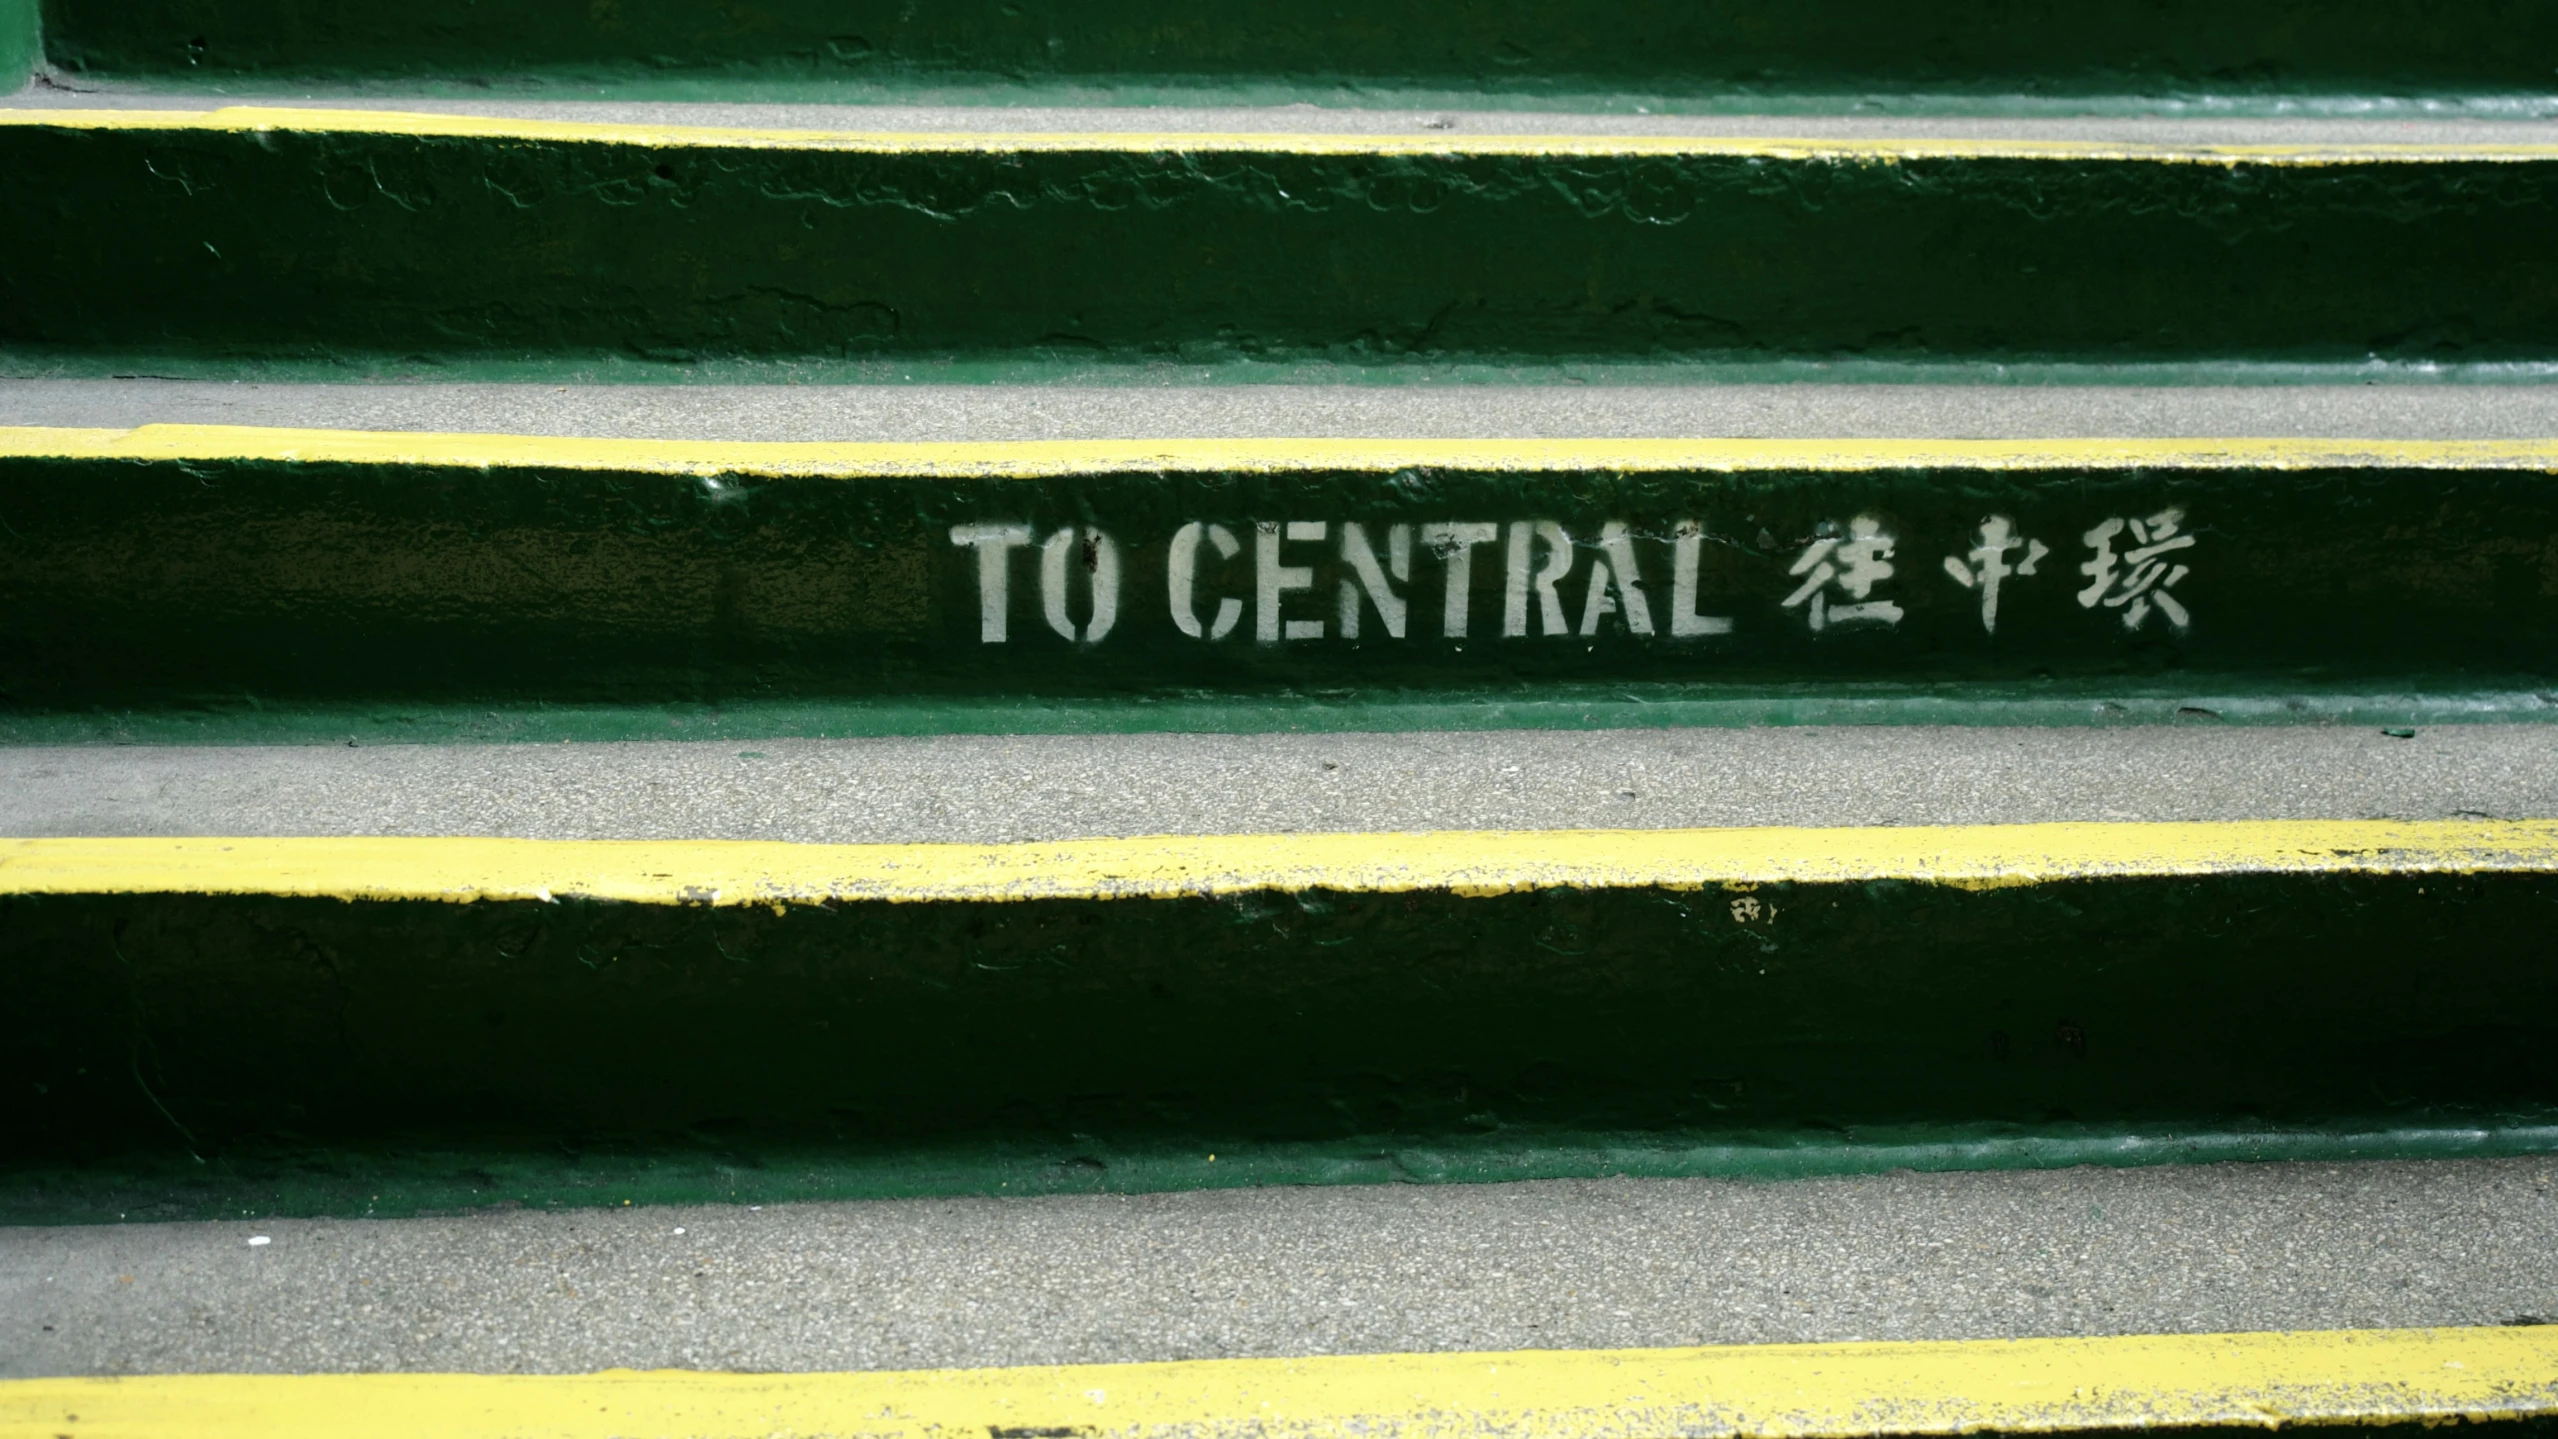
(2138,580)
(1854,564)
(1986,567)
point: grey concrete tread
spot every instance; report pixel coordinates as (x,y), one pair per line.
(1280,1272)
(2162,129)
(928,412)
(982,789)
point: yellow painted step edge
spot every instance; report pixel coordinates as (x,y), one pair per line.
(1799,1391)
(746,872)
(264,118)
(1034,459)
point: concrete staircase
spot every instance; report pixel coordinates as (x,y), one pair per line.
(641,601)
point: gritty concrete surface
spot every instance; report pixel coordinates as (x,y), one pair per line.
(1562,1264)
(920,412)
(2387,127)
(1004,788)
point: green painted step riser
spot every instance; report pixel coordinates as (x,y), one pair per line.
(250,719)
(21,46)
(132,584)
(155,1179)
(301,244)
(2183,1004)
(2387,47)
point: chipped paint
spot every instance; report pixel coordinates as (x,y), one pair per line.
(269,119)
(1051,459)
(1776,1391)
(747,872)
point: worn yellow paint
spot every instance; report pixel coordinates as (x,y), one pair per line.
(739,872)
(256,118)
(2045,1386)
(1037,459)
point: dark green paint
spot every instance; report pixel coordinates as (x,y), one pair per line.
(923,1047)
(21,46)
(333,589)
(639,373)
(334,244)
(247,720)
(159,1179)
(1736,48)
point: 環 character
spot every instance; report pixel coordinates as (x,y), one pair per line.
(2139,579)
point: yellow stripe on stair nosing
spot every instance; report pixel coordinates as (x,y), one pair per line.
(1797,1391)
(746,872)
(267,118)
(1036,459)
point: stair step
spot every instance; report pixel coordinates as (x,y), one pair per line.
(1846,980)
(1632,51)
(174,569)
(363,236)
